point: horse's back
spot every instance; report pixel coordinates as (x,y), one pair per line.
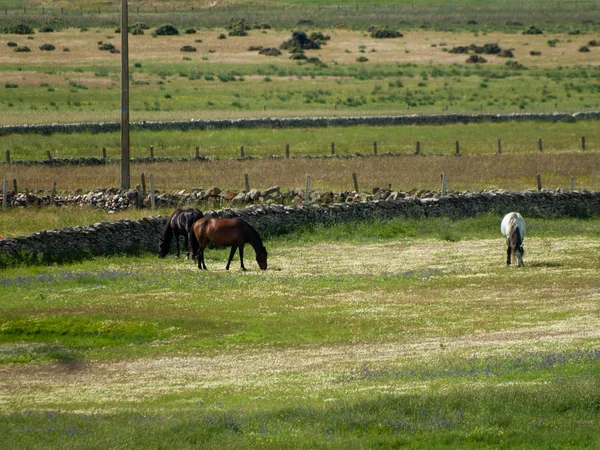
(511,220)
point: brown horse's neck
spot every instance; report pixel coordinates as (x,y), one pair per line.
(252,236)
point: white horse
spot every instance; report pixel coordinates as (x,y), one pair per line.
(513,228)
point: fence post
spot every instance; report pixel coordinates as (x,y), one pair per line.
(418,149)
(375,148)
(152,152)
(242,151)
(49,155)
(247,182)
(140,198)
(457,148)
(443,177)
(27,203)
(572,184)
(152,199)
(7,156)
(104,153)
(53,194)
(333,148)
(143,185)
(583,143)
(307,192)
(499,146)
(287,150)
(197,152)
(15,190)
(355,180)
(539,182)
(540,145)
(4,194)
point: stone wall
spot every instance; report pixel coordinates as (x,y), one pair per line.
(296,122)
(132,237)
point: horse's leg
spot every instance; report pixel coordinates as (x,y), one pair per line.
(508,252)
(177,243)
(242,257)
(186,242)
(201,264)
(231,254)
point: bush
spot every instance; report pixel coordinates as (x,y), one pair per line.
(270,51)
(23,49)
(255,48)
(533,30)
(166,30)
(584,49)
(319,37)
(461,49)
(299,41)
(105,46)
(46,29)
(190,31)
(47,47)
(508,53)
(535,53)
(476,59)
(384,33)
(19,29)
(136,31)
(222,36)
(553,42)
(11,44)
(188,48)
(361,59)
(11,86)
(237,27)
(488,49)
(298,55)
(261,26)
(514,65)
(594,43)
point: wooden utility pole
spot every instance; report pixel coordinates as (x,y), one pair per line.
(125,173)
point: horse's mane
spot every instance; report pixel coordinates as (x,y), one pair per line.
(514,232)
(253,235)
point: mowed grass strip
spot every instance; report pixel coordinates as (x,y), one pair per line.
(382,333)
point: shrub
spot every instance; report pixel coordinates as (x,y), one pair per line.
(188,48)
(222,36)
(533,30)
(361,59)
(298,55)
(114,50)
(584,49)
(507,53)
(535,53)
(461,49)
(271,51)
(489,49)
(476,59)
(255,48)
(19,29)
(514,65)
(138,65)
(46,29)
(301,41)
(553,42)
(66,49)
(319,37)
(190,31)
(11,86)
(166,30)
(593,43)
(313,60)
(237,27)
(105,46)
(136,31)
(47,47)
(261,26)
(23,49)
(384,33)
(11,44)
(140,25)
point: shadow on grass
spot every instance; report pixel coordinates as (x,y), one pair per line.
(543,264)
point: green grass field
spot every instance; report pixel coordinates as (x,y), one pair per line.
(409,333)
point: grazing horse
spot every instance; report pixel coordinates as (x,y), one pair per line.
(513,228)
(226,232)
(179,224)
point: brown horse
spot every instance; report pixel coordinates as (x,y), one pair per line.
(226,232)
(179,224)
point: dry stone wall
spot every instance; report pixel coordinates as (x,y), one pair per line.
(132,237)
(296,122)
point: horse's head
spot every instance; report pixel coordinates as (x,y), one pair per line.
(163,248)
(519,252)
(261,258)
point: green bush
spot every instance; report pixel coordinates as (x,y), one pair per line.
(11,44)
(23,49)
(270,51)
(106,46)
(19,29)
(47,47)
(299,41)
(190,31)
(584,49)
(188,48)
(47,29)
(476,59)
(166,30)
(361,59)
(237,27)
(533,30)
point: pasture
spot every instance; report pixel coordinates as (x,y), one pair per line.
(408,332)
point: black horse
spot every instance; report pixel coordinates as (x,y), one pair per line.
(179,224)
